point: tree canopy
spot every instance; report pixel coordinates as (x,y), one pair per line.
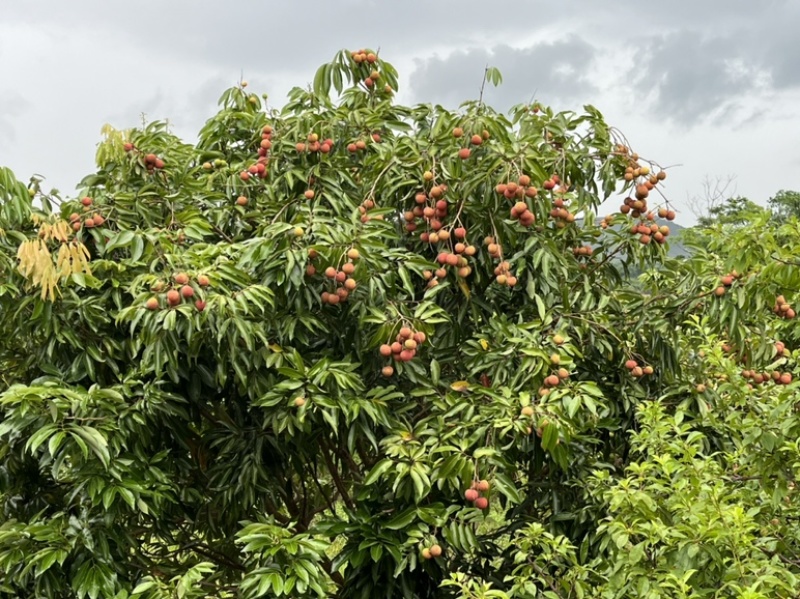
(348,348)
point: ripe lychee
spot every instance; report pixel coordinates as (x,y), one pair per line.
(173,297)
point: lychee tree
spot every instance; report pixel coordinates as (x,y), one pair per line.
(356,349)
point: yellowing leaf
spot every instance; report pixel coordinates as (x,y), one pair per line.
(276,348)
(484,344)
(464,287)
(36,263)
(460,386)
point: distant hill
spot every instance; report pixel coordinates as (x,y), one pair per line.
(676,249)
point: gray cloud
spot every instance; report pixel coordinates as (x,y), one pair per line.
(186,111)
(277,35)
(694,75)
(688,76)
(12,106)
(781,47)
(556,71)
(654,71)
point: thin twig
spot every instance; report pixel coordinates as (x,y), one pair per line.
(483,85)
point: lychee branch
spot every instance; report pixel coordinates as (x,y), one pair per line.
(334,472)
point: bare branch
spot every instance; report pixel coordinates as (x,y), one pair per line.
(714,194)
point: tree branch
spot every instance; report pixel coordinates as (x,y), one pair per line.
(337,479)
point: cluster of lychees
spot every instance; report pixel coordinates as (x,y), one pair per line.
(259,168)
(607,221)
(90,221)
(641,174)
(151,162)
(502,272)
(403,348)
(523,214)
(503,275)
(636,370)
(475,494)
(554,379)
(757,378)
(520,189)
(356,146)
(584,250)
(447,259)
(650,232)
(364,209)
(783,308)
(367,61)
(343,282)
(725,282)
(559,212)
(176,295)
(431,552)
(431,209)
(644,182)
(454,259)
(314,145)
(475,140)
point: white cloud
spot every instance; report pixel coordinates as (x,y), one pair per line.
(718,101)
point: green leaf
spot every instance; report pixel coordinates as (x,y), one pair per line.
(549,437)
(435,372)
(378,470)
(93,439)
(120,240)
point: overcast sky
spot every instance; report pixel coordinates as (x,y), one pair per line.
(711,85)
